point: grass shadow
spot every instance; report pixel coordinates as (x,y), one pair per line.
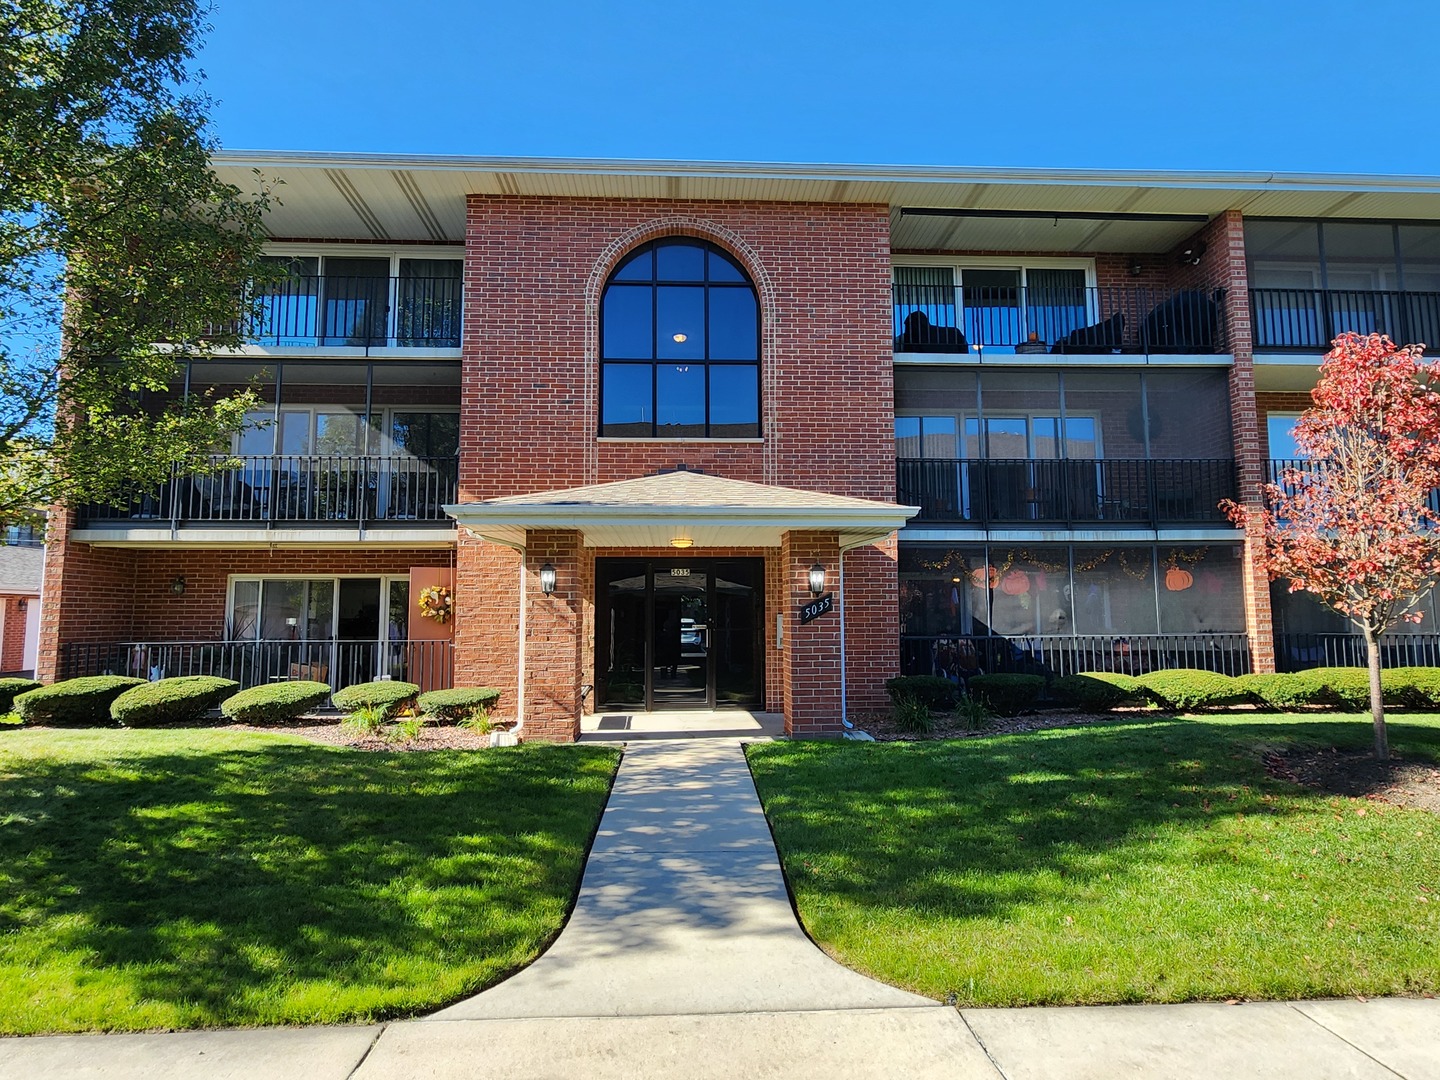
(147,883)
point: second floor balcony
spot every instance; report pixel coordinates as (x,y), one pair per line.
(1308,320)
(1115,493)
(278,490)
(1061,321)
(356,311)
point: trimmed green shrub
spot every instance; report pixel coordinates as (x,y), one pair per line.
(1100,690)
(1007,694)
(74,701)
(1411,687)
(10,689)
(1282,690)
(275,702)
(452,706)
(171,701)
(1342,687)
(932,690)
(385,694)
(1189,688)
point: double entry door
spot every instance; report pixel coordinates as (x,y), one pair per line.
(679,633)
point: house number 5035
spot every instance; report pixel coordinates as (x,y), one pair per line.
(815,608)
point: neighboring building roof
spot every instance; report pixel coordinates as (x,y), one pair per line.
(21,568)
(711,511)
(399,197)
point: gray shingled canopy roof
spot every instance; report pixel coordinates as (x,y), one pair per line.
(21,568)
(712,511)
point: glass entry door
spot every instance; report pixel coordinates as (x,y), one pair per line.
(682,633)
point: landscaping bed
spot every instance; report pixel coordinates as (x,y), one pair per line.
(182,878)
(1144,858)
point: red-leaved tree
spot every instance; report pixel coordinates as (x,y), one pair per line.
(1353,525)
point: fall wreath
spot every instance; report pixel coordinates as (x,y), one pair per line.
(437,603)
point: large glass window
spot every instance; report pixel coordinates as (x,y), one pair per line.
(680,345)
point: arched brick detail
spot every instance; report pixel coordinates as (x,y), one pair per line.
(742,252)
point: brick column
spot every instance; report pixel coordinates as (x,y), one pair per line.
(1250,450)
(811,660)
(1223,267)
(553,634)
(487,602)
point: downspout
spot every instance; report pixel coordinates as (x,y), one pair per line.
(844,693)
(520,660)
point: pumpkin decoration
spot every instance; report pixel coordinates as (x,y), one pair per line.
(436,603)
(981,576)
(1178,580)
(1015,583)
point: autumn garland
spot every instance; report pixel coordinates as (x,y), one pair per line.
(436,603)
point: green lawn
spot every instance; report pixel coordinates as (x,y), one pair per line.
(1145,860)
(190,878)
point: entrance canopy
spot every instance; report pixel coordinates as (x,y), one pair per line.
(709,511)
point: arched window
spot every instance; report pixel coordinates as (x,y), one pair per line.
(679,345)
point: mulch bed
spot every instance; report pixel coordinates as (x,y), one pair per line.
(1357,774)
(330,733)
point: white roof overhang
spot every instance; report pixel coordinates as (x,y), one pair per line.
(397,198)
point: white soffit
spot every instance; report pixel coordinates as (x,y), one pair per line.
(417,198)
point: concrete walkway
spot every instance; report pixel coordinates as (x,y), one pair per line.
(683,958)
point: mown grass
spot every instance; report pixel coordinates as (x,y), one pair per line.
(1146,860)
(192,878)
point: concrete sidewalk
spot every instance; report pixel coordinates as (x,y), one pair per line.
(683,958)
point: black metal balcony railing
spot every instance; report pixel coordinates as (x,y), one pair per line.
(1296,652)
(950,319)
(369,312)
(293,489)
(1065,654)
(1309,319)
(1120,492)
(1278,467)
(253,663)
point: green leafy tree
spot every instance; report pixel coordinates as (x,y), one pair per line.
(114,235)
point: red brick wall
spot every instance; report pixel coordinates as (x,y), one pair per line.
(88,594)
(199,613)
(535,270)
(530,400)
(12,648)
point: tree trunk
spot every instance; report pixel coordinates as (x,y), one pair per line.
(1377,699)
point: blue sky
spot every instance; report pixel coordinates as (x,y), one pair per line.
(1263,84)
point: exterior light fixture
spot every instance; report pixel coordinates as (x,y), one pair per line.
(547,579)
(177,585)
(679,339)
(817,579)
(681,542)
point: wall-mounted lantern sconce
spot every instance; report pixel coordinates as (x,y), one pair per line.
(177,585)
(817,579)
(547,579)
(1136,267)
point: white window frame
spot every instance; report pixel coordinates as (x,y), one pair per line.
(958,265)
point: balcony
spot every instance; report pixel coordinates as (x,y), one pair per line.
(286,489)
(1308,320)
(1296,652)
(1116,493)
(1304,466)
(430,664)
(1055,655)
(1063,322)
(314,311)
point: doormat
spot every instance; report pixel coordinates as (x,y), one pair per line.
(613,723)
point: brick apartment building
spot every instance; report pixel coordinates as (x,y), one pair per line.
(626,411)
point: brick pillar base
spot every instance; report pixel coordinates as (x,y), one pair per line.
(811,654)
(553,663)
